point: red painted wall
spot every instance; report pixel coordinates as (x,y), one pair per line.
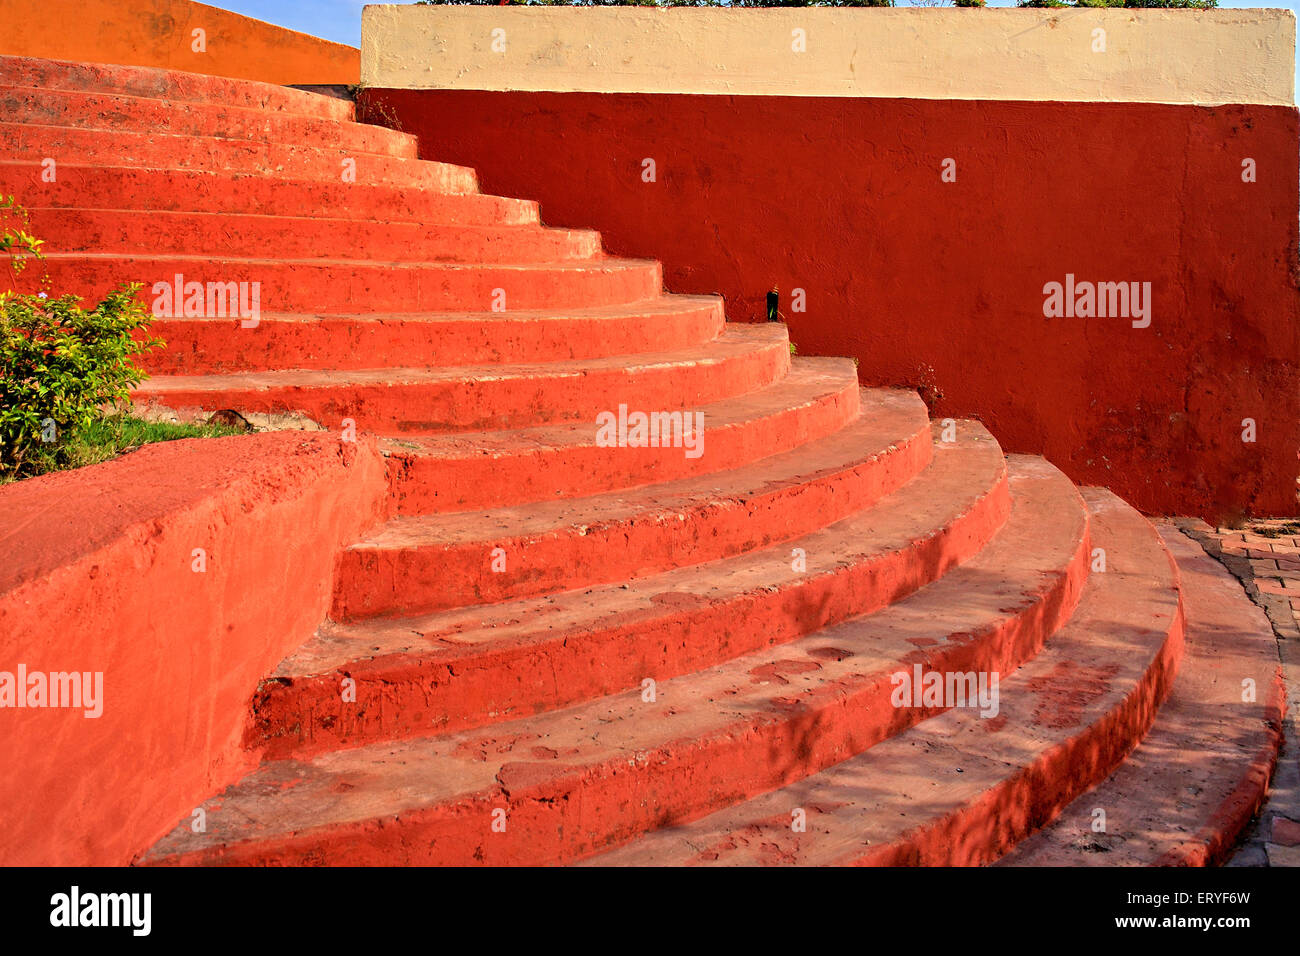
(99,576)
(939,285)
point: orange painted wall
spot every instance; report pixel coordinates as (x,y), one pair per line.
(160,33)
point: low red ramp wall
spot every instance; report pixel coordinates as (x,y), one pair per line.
(182,573)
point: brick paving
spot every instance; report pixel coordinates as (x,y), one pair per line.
(1265,557)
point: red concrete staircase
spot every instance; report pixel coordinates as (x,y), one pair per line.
(555,651)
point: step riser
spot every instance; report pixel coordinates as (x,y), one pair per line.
(169,85)
(426,485)
(361,287)
(172,190)
(1022,804)
(109,112)
(431,408)
(1235,742)
(378,582)
(451,692)
(154,233)
(83,147)
(197,347)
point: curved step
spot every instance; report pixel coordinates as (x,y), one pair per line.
(174,85)
(197,190)
(479,665)
(153,232)
(1162,809)
(125,113)
(33,143)
(338,342)
(425,563)
(575,780)
(962,787)
(494,469)
(467,398)
(358,285)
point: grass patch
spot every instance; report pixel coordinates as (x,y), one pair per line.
(112,436)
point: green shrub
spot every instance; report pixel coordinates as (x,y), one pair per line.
(15,241)
(62,368)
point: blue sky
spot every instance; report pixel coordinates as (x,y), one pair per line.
(341,19)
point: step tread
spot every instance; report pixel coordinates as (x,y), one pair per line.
(603,265)
(477,397)
(124,139)
(231,219)
(463,471)
(37,97)
(659,306)
(870,438)
(147,82)
(296,284)
(1161,808)
(810,378)
(787,686)
(206,346)
(198,189)
(931,794)
(735,341)
(136,232)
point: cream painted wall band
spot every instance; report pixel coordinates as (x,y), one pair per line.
(1162,56)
